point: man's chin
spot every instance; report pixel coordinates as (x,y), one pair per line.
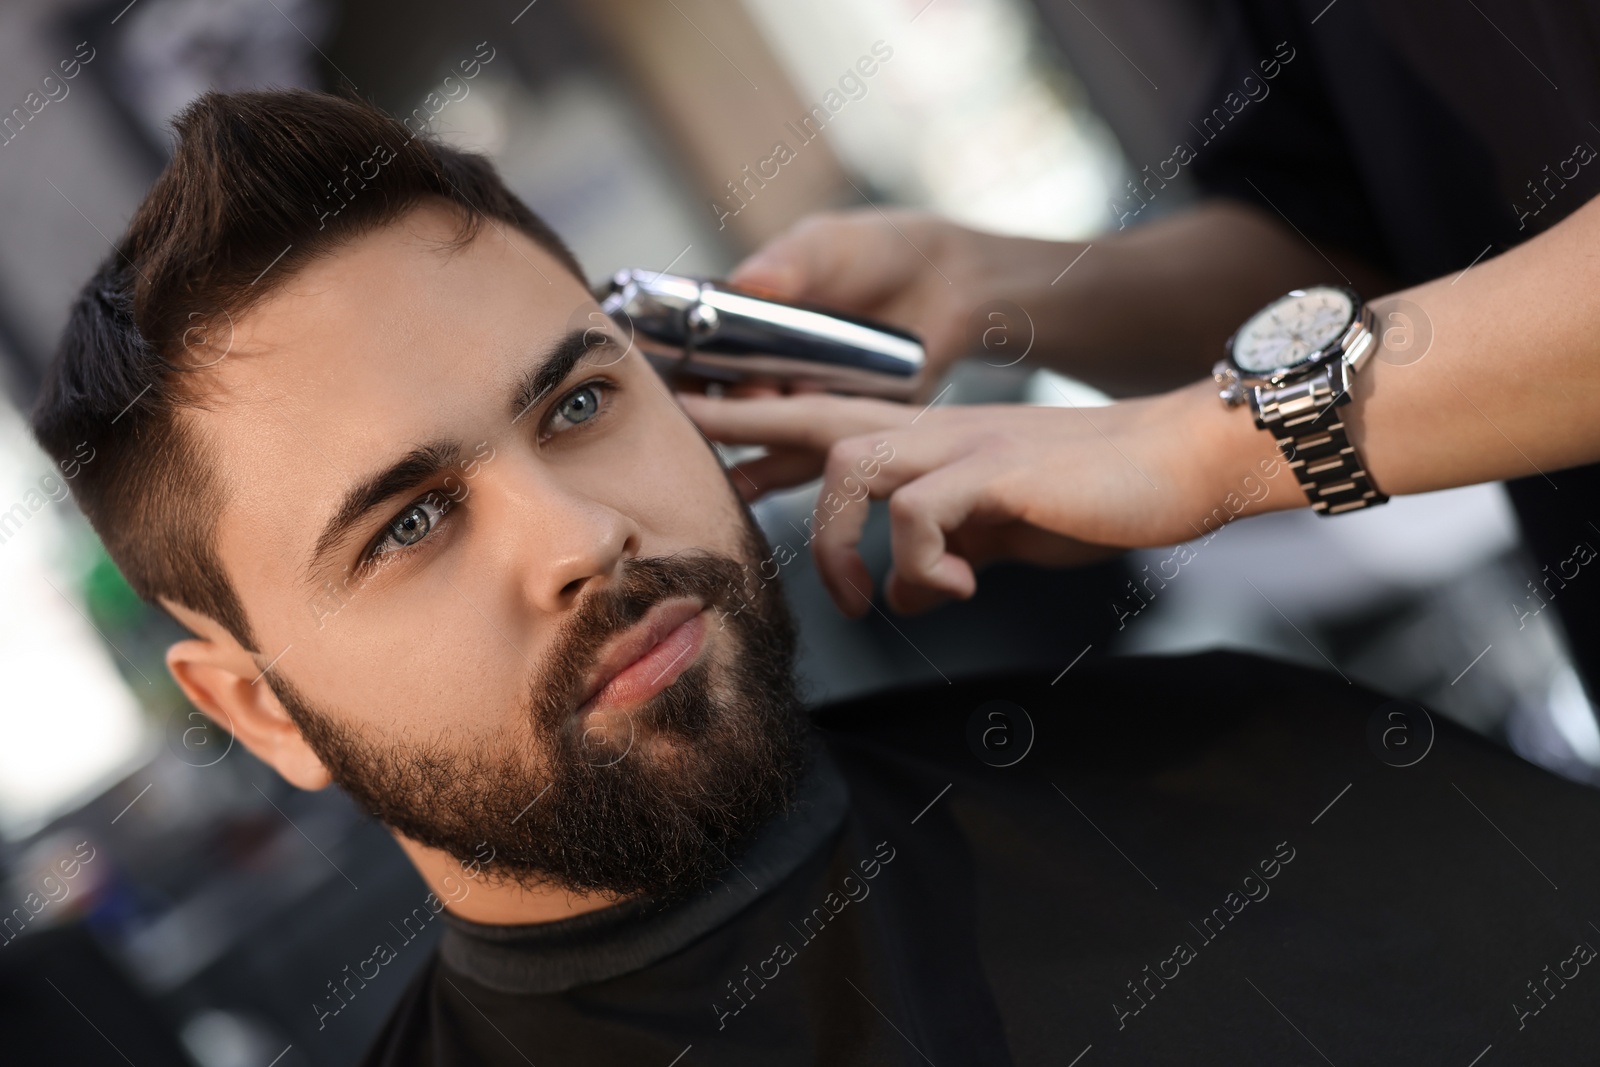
(654,729)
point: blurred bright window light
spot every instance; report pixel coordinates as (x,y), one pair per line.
(968,116)
(69,725)
(1574,716)
(175,50)
(575,152)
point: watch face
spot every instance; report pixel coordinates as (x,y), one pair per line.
(1292,329)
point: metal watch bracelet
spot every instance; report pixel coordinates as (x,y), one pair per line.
(1303,417)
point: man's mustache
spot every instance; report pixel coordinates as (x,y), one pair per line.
(600,616)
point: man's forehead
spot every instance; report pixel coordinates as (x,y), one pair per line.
(396,313)
(391,300)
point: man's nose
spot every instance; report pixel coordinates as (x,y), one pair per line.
(593,556)
(569,541)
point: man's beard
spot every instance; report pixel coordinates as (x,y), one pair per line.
(658,805)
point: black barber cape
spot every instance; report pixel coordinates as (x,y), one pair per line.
(1203,860)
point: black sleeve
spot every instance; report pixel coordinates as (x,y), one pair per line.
(1268,134)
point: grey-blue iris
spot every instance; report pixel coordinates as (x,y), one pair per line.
(580,405)
(411,527)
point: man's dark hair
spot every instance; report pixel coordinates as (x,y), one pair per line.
(259,185)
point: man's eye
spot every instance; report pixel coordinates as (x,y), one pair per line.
(580,405)
(411,525)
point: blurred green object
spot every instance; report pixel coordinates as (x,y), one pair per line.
(111,600)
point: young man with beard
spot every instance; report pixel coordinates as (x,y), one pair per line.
(551,647)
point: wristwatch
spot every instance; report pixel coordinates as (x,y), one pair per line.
(1293,361)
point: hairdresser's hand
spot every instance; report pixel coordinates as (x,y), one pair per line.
(906,268)
(968,485)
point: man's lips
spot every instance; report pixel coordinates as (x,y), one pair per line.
(648,656)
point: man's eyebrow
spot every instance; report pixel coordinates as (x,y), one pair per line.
(429,460)
(553,369)
(408,472)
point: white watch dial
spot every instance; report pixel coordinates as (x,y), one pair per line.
(1292,329)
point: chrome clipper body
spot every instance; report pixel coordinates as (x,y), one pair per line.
(709,330)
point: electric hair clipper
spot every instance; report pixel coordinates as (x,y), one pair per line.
(709,330)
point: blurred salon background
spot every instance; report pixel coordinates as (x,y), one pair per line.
(213,914)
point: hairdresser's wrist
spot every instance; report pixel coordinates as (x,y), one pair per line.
(1234,468)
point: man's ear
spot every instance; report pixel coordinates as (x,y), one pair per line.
(220,677)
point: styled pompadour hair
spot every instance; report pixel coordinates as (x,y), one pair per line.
(257,180)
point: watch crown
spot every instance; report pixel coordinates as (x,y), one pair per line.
(1232,391)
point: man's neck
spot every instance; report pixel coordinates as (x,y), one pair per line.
(468,894)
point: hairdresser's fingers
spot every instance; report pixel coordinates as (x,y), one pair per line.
(835,524)
(841,569)
(750,389)
(812,421)
(959,516)
(859,469)
(769,387)
(924,571)
(909,598)
(854,465)
(921,513)
(979,543)
(852,260)
(780,468)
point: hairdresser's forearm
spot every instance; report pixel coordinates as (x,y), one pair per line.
(1511,383)
(1149,308)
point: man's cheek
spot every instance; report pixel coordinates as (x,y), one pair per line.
(685,487)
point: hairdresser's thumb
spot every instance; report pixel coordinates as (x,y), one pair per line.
(771,271)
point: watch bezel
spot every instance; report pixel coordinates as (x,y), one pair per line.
(1341,346)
